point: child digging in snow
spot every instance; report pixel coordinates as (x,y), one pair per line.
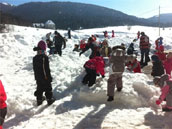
(93,67)
(166,91)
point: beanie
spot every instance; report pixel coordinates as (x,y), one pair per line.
(42,45)
(155,58)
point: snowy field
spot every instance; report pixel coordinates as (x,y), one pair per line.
(76,105)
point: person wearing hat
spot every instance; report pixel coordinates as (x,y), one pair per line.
(59,41)
(144,48)
(165,84)
(157,68)
(42,74)
(133,65)
(94,46)
(3,105)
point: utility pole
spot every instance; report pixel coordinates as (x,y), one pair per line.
(159,20)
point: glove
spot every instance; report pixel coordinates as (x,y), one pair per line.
(158,102)
(103,76)
(80,53)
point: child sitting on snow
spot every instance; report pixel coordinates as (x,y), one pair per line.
(133,65)
(3,105)
(93,67)
(157,68)
(42,75)
(76,48)
(166,91)
(117,65)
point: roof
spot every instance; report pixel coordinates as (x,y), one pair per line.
(50,22)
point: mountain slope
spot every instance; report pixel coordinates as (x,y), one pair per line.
(74,15)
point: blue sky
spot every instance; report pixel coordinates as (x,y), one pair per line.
(139,8)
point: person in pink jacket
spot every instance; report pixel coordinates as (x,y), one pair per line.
(168,64)
(165,84)
(93,67)
(3,105)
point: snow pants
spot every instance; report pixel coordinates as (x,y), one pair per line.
(144,56)
(59,49)
(3,113)
(42,87)
(90,77)
(114,80)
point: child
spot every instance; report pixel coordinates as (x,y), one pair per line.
(42,75)
(157,68)
(168,64)
(166,91)
(93,67)
(50,46)
(160,53)
(76,48)
(131,50)
(82,44)
(113,33)
(117,65)
(3,105)
(134,65)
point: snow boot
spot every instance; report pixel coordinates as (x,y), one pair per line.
(119,89)
(110,99)
(50,101)
(39,102)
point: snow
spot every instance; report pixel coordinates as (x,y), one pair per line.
(76,105)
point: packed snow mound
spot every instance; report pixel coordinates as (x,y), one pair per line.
(135,93)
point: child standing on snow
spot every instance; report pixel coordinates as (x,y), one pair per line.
(93,67)
(160,53)
(42,74)
(166,91)
(168,64)
(3,105)
(157,68)
(117,65)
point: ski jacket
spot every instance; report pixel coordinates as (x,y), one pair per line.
(96,63)
(59,41)
(168,66)
(144,42)
(161,55)
(157,69)
(134,66)
(94,48)
(3,96)
(41,68)
(166,89)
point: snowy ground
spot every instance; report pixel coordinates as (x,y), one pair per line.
(77,106)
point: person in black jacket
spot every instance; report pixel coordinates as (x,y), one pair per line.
(42,74)
(157,68)
(59,41)
(95,47)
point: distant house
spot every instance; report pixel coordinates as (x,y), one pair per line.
(50,25)
(38,25)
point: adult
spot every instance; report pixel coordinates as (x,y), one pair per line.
(59,41)
(69,33)
(144,48)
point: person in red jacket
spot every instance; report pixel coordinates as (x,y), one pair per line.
(138,34)
(160,53)
(93,67)
(113,33)
(3,105)
(82,44)
(134,65)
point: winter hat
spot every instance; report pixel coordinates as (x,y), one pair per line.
(142,33)
(42,45)
(155,58)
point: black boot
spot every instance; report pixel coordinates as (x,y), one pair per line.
(110,99)
(50,101)
(119,89)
